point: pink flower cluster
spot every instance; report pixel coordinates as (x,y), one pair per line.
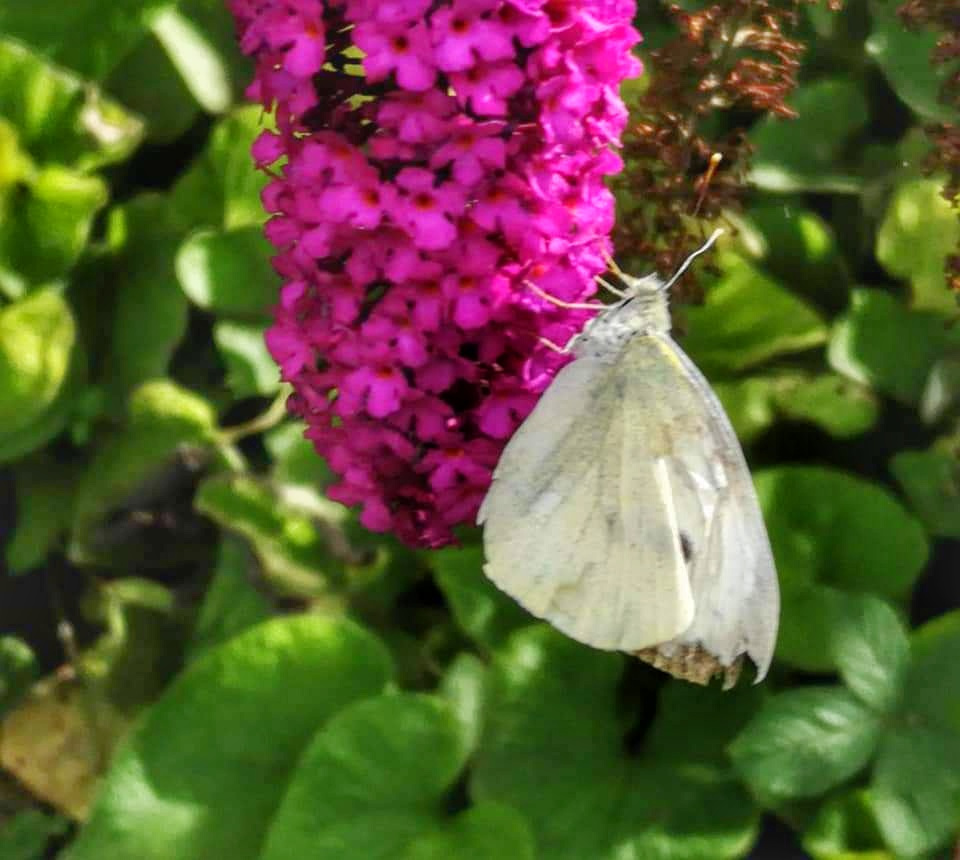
(439,156)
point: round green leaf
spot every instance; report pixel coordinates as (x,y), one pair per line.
(931,482)
(804,154)
(484,612)
(60,117)
(747,319)
(916,789)
(804,742)
(554,749)
(796,247)
(748,403)
(150,310)
(872,651)
(846,829)
(85,35)
(867,344)
(44,500)
(251,370)
(221,190)
(905,58)
(24,836)
(231,603)
(809,614)
(206,769)
(841,407)
(228,273)
(918,231)
(146,82)
(932,688)
(162,419)
(830,527)
(199,63)
(371,785)
(37,337)
(487,831)
(289,543)
(47,222)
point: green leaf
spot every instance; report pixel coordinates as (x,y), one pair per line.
(830,527)
(146,82)
(916,789)
(748,319)
(916,781)
(837,405)
(841,407)
(804,742)
(371,785)
(931,483)
(206,769)
(251,370)
(484,613)
(150,310)
(932,689)
(797,247)
(487,831)
(291,544)
(554,748)
(905,58)
(231,604)
(25,836)
(295,460)
(18,670)
(59,117)
(748,403)
(867,344)
(805,154)
(197,60)
(37,341)
(919,230)
(718,716)
(809,615)
(162,420)
(846,829)
(229,273)
(872,652)
(45,222)
(463,686)
(19,443)
(221,190)
(941,394)
(85,35)
(44,502)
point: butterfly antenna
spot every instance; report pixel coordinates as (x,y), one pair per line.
(716,234)
(705,181)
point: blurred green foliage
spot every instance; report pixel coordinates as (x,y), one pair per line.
(251,675)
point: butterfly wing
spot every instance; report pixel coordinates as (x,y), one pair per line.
(580,526)
(731,567)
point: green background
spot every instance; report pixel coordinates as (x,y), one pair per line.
(246,674)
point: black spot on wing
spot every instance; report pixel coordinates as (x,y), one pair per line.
(686,545)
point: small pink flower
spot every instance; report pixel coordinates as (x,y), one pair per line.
(426,210)
(377,389)
(475,148)
(402,49)
(487,86)
(461,34)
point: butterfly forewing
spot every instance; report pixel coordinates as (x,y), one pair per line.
(578,525)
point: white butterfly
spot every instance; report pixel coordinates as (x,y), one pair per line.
(622,510)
